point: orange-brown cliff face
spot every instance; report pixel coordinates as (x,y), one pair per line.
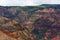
(13,29)
(9,24)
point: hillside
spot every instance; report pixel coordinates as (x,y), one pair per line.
(29,23)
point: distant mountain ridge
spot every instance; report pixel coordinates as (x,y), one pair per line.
(52,5)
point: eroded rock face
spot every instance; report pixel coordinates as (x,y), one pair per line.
(12,30)
(3,36)
(9,24)
(49,26)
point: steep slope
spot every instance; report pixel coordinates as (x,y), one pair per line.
(13,29)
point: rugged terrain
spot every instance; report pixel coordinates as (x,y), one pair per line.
(29,23)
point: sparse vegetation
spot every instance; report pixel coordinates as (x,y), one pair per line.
(30,22)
